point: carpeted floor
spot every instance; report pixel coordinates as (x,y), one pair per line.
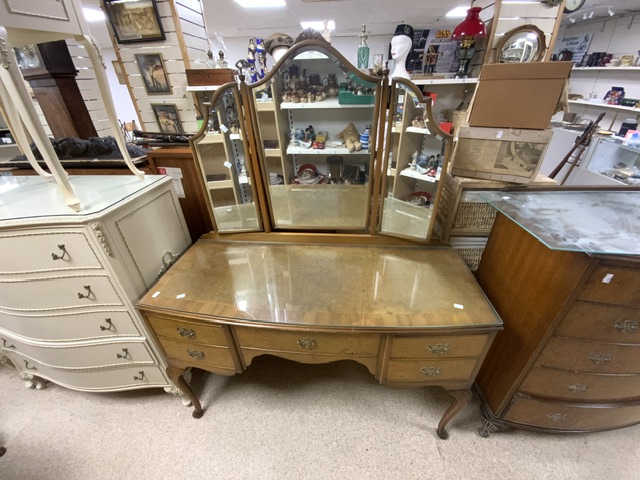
(282,420)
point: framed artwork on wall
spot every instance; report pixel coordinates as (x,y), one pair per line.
(154,75)
(134,20)
(167,117)
(119,72)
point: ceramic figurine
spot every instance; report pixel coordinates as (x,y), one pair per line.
(363,51)
(222,62)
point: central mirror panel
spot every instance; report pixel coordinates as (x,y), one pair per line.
(316,118)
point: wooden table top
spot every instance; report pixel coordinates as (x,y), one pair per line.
(311,285)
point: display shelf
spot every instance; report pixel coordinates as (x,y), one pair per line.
(604,105)
(217,185)
(265,106)
(410,172)
(444,81)
(608,69)
(330,103)
(212,138)
(272,152)
(423,131)
(203,88)
(324,151)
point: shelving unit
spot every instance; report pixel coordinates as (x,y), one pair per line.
(604,106)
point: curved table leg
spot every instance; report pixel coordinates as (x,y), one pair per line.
(175,374)
(460,400)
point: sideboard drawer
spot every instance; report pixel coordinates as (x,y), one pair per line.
(46,251)
(617,285)
(58,293)
(574,386)
(562,416)
(426,346)
(213,335)
(365,344)
(601,322)
(583,356)
(198,355)
(430,371)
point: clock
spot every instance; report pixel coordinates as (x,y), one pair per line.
(571,6)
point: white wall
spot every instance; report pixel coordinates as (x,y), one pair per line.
(121,98)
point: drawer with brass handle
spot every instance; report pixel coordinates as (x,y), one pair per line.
(188,331)
(614,285)
(427,346)
(430,371)
(601,322)
(197,355)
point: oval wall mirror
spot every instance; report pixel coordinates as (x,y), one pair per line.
(523,44)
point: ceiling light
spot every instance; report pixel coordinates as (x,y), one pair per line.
(93,15)
(610,12)
(319,25)
(591,14)
(458,12)
(584,16)
(572,20)
(261,3)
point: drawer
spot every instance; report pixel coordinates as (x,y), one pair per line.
(430,371)
(562,416)
(71,325)
(58,293)
(81,356)
(41,251)
(617,285)
(583,356)
(198,355)
(568,385)
(362,344)
(601,322)
(127,378)
(213,335)
(425,346)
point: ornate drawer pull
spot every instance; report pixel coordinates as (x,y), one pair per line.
(186,332)
(126,354)
(438,348)
(26,365)
(5,345)
(141,377)
(577,387)
(599,358)
(626,326)
(430,371)
(64,253)
(108,321)
(195,354)
(308,343)
(557,417)
(86,295)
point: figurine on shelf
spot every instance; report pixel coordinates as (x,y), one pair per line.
(351,138)
(363,51)
(418,122)
(252,72)
(430,59)
(261,58)
(326,32)
(309,134)
(297,137)
(364,138)
(222,62)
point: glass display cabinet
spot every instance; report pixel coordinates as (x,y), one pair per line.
(610,162)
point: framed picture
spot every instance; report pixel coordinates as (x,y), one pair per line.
(153,73)
(119,73)
(134,20)
(167,117)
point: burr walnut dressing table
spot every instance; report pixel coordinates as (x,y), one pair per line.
(413,316)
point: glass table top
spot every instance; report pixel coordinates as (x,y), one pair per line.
(605,222)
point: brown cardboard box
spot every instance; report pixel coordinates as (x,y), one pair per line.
(202,77)
(509,155)
(518,95)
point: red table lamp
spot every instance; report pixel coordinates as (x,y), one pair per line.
(466,33)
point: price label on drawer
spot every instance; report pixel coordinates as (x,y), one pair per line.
(607,278)
(227,164)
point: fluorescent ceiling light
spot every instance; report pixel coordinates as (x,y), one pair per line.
(261,3)
(318,25)
(93,15)
(458,12)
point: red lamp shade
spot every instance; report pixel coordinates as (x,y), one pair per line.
(471,26)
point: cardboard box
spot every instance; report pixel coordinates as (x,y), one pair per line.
(509,155)
(202,77)
(518,95)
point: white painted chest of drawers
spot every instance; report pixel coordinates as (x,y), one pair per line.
(69,280)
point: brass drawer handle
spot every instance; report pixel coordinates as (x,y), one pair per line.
(108,321)
(557,417)
(195,354)
(600,358)
(308,343)
(86,295)
(626,326)
(186,332)
(577,387)
(26,365)
(430,371)
(141,377)
(438,348)
(5,345)
(64,253)
(126,354)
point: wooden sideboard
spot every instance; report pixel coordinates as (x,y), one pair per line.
(413,316)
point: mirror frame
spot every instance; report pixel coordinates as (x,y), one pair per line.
(542,43)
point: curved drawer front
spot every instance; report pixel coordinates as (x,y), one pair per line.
(58,293)
(572,386)
(362,344)
(425,346)
(198,355)
(601,322)
(70,325)
(46,251)
(547,414)
(617,285)
(430,371)
(583,356)
(82,356)
(94,380)
(213,335)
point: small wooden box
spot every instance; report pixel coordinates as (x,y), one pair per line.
(202,77)
(502,154)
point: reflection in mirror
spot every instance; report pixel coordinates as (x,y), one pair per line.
(221,151)
(316,121)
(417,156)
(521,45)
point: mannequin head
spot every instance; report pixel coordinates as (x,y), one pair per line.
(400,48)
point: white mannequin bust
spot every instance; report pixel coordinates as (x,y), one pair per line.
(400,48)
(278,52)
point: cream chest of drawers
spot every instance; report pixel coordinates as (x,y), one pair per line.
(69,280)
